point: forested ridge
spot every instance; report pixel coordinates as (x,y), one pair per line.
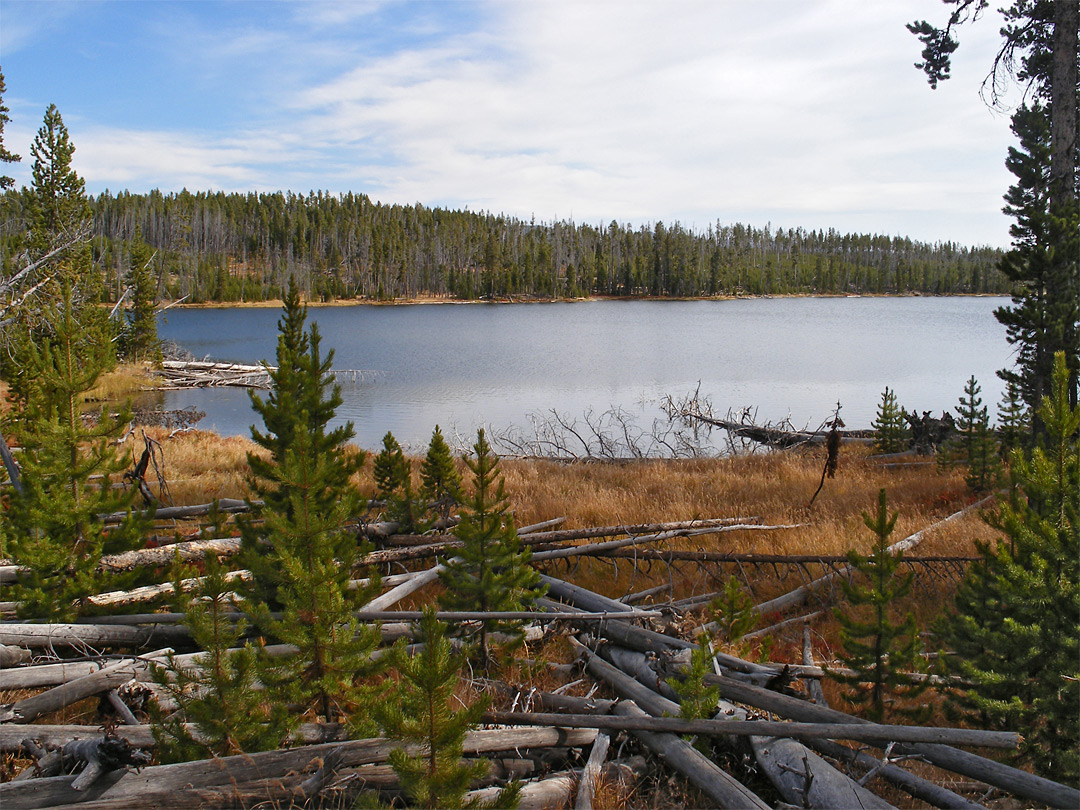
(244,247)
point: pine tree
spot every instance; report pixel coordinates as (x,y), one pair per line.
(421,713)
(5,155)
(1014,423)
(1013,630)
(882,652)
(974,444)
(142,337)
(891,432)
(218,693)
(53,525)
(440,481)
(393,484)
(305,566)
(698,699)
(491,571)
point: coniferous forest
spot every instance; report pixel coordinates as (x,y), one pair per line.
(244,247)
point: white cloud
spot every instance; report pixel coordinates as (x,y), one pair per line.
(633,111)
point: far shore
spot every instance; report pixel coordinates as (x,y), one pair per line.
(276,303)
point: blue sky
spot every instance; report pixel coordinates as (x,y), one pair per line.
(795,113)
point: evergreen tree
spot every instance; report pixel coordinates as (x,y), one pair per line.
(882,652)
(1013,630)
(421,714)
(440,481)
(59,210)
(218,693)
(697,699)
(393,484)
(5,155)
(491,571)
(142,337)
(891,432)
(1014,424)
(1043,316)
(307,561)
(54,524)
(974,444)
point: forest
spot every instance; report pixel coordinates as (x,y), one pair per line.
(234,247)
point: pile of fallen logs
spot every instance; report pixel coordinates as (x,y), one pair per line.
(178,374)
(781,744)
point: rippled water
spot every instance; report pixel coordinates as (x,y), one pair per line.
(469,365)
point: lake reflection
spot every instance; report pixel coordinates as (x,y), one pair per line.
(469,365)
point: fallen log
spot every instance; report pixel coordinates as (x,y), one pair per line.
(778,758)
(161,779)
(11,656)
(859,732)
(801,594)
(591,775)
(699,771)
(140,736)
(36,636)
(914,785)
(1012,780)
(29,709)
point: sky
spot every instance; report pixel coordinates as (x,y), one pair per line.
(791,113)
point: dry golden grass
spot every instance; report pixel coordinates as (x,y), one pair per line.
(124,382)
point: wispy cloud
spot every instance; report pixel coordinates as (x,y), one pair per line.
(634,111)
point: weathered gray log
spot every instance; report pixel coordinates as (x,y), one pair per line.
(88,635)
(633,529)
(914,785)
(806,780)
(859,732)
(138,735)
(591,774)
(399,592)
(801,594)
(164,555)
(29,709)
(602,548)
(507,615)
(778,760)
(228,506)
(1013,780)
(121,708)
(631,598)
(813,685)
(532,528)
(701,772)
(38,793)
(551,792)
(11,656)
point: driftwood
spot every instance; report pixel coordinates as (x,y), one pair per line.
(860,732)
(88,635)
(101,754)
(11,656)
(140,735)
(702,773)
(905,780)
(779,759)
(591,775)
(1005,777)
(801,594)
(162,779)
(29,709)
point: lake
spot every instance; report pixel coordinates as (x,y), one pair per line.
(503,366)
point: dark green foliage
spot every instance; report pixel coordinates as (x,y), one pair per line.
(891,433)
(491,571)
(420,712)
(141,336)
(1014,628)
(218,693)
(5,155)
(440,481)
(882,652)
(973,445)
(697,699)
(58,210)
(393,484)
(304,567)
(349,246)
(1014,421)
(53,526)
(1042,318)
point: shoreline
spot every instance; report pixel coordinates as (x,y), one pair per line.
(276,303)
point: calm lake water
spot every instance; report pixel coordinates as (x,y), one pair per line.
(498,365)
